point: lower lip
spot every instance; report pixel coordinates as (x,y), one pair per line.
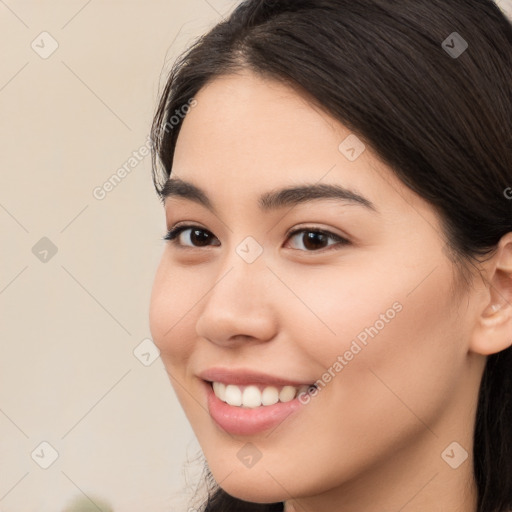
(243,421)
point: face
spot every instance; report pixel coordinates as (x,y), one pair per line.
(355,295)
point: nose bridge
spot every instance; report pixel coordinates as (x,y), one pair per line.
(244,273)
(238,302)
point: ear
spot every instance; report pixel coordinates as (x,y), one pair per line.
(492,332)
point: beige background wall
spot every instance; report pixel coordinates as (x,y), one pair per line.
(69,326)
(70,321)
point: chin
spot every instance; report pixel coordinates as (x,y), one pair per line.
(251,484)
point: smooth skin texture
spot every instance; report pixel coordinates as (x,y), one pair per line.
(372,439)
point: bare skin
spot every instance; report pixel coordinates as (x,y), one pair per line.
(375,438)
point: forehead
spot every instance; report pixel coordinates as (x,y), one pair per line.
(248,134)
(247,129)
(247,116)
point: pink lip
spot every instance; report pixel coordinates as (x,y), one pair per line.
(244,421)
(245,377)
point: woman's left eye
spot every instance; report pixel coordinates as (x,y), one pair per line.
(316,239)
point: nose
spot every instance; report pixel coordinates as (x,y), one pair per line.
(239,307)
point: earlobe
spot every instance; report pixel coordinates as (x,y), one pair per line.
(492,332)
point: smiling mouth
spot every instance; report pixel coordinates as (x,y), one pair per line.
(257,395)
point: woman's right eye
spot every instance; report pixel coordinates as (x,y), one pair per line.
(197,236)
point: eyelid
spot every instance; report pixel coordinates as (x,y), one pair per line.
(312,227)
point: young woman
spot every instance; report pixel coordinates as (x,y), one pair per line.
(334,301)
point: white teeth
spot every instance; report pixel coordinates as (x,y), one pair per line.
(270,396)
(233,395)
(220,390)
(252,396)
(287,393)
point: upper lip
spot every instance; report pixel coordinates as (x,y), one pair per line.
(243,376)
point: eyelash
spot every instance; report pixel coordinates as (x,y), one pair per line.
(173,234)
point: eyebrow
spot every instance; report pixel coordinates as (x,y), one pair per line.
(272,200)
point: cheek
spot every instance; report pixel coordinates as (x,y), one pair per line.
(406,310)
(333,308)
(380,342)
(408,360)
(171,313)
